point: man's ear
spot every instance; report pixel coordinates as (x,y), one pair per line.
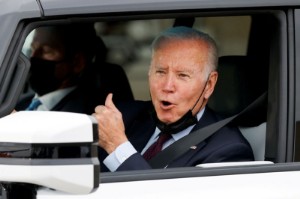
(79,63)
(211,83)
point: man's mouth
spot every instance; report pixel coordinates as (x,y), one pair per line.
(166,104)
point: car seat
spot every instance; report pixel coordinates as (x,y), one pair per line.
(241,80)
(111,77)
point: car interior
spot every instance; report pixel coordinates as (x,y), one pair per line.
(244,67)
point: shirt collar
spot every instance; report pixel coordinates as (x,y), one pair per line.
(51,99)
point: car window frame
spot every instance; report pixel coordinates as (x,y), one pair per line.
(280,78)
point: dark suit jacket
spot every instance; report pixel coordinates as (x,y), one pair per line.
(225,145)
(77,101)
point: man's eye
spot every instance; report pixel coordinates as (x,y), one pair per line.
(160,72)
(182,75)
(48,50)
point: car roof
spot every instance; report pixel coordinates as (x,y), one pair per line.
(54,7)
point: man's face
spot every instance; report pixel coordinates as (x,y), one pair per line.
(177,77)
(48,44)
(52,67)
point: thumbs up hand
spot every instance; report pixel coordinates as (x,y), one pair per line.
(111,130)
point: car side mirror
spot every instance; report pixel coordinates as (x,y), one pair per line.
(57,150)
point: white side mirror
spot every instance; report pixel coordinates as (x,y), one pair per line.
(52,149)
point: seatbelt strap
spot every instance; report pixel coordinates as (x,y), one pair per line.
(178,148)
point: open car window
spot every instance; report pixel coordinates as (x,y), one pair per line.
(128,45)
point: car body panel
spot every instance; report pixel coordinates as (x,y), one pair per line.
(269,185)
(11,13)
(54,7)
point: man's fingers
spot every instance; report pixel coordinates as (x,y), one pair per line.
(108,108)
(109,102)
(98,109)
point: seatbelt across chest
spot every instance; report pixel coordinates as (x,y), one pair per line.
(178,148)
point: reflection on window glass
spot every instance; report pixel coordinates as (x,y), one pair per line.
(26,47)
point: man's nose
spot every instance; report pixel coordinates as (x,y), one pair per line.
(169,83)
(36,53)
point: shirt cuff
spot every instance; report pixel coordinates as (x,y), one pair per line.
(117,157)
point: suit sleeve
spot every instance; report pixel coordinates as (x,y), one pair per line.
(134,162)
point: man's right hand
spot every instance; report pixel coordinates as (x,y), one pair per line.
(111,130)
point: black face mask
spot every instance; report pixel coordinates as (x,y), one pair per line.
(187,120)
(42,76)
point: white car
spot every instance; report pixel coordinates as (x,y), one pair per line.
(259,43)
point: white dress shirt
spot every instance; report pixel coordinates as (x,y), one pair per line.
(51,99)
(125,150)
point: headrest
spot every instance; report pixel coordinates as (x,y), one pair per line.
(241,80)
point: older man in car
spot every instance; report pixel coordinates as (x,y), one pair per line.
(182,77)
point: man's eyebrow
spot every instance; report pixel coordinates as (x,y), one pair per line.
(159,67)
(186,69)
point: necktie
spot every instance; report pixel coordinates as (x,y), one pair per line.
(34,104)
(156,146)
